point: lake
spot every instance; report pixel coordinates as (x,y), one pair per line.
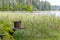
(57,13)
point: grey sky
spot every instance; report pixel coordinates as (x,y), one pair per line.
(53,2)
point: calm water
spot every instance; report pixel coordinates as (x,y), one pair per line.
(57,13)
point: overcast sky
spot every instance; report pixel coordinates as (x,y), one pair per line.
(53,2)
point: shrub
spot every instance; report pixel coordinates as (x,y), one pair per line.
(18,35)
(28,8)
(5,25)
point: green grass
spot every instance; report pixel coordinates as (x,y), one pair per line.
(38,27)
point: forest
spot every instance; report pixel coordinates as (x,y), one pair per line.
(24,5)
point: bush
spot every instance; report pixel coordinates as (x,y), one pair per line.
(18,35)
(28,8)
(5,26)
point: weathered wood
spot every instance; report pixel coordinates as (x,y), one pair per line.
(17,24)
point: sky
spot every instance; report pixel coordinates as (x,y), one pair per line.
(53,2)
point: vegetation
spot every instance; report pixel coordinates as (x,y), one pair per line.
(38,27)
(18,35)
(28,8)
(19,5)
(41,5)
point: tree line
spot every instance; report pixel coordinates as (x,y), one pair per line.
(24,5)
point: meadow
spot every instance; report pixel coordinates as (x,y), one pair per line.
(37,27)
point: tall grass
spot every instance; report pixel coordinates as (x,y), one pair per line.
(38,27)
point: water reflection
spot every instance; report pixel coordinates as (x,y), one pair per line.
(58,13)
